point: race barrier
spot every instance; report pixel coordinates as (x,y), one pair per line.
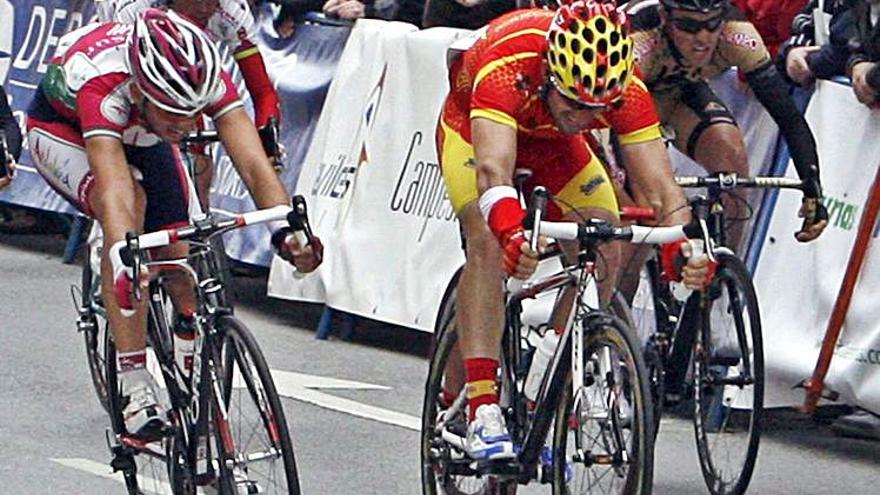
(798,284)
(31,41)
(372,181)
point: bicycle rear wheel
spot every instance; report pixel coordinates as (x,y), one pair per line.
(446,468)
(602,435)
(254,444)
(729,380)
(95,330)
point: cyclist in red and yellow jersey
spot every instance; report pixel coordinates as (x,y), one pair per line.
(522,96)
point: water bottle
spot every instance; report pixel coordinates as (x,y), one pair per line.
(543,353)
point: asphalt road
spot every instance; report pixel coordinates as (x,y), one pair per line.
(354,436)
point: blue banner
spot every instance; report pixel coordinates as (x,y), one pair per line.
(29,33)
(302,68)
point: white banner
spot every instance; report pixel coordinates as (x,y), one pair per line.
(373,185)
(798,283)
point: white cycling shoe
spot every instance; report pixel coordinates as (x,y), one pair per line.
(143,415)
(487,436)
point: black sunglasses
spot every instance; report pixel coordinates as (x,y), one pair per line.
(694,26)
(572,103)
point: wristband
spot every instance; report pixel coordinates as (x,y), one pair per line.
(501,209)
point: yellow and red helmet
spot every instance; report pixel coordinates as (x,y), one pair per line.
(590,54)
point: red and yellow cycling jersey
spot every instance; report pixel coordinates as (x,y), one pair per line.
(501,76)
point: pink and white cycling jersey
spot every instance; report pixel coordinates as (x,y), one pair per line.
(232,24)
(88,85)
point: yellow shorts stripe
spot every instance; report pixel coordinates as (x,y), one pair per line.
(494,116)
(589,188)
(480,388)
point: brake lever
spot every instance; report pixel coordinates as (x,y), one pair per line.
(133,246)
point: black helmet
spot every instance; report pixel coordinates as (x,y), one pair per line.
(695,5)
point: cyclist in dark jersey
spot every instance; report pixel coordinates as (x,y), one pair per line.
(679,44)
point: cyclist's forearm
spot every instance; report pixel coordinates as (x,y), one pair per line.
(650,171)
(113,197)
(772,92)
(243,145)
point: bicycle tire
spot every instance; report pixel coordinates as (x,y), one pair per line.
(446,471)
(604,331)
(95,329)
(255,417)
(718,422)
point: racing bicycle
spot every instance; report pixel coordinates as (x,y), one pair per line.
(706,347)
(593,400)
(228,431)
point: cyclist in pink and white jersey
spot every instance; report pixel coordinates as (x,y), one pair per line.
(101,130)
(228,22)
(231,24)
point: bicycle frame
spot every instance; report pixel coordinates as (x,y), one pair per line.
(531,434)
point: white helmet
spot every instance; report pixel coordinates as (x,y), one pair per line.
(174,63)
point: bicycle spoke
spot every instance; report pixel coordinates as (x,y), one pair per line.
(263,455)
(604,431)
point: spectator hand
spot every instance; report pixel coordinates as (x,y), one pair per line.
(796,65)
(815,217)
(469,3)
(344,9)
(305,258)
(866,94)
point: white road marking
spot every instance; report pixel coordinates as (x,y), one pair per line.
(103,470)
(288,378)
(299,386)
(347,406)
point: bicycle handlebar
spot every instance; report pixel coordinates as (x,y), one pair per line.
(295,215)
(599,230)
(269,138)
(732,180)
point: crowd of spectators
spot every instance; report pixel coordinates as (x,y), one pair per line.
(809,39)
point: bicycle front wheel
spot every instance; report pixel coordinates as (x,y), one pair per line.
(254,444)
(602,436)
(95,330)
(728,380)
